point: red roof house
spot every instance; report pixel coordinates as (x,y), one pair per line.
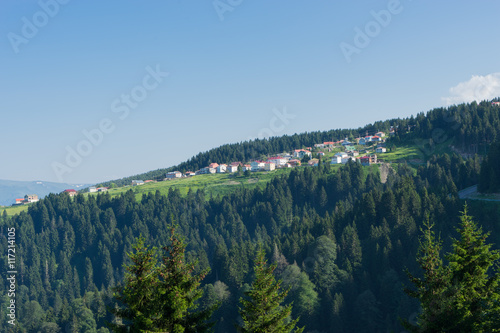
(71,192)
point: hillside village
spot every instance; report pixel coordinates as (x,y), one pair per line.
(363,150)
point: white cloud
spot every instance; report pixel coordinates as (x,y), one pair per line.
(478,88)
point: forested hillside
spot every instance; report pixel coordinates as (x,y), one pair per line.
(489,181)
(469,128)
(340,237)
(341,241)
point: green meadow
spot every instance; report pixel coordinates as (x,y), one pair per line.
(213,184)
(12,210)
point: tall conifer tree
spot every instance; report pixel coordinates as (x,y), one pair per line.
(161,298)
(430,288)
(137,295)
(261,312)
(475,279)
(463,296)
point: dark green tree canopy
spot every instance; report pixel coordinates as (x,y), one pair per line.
(161,297)
(261,310)
(464,295)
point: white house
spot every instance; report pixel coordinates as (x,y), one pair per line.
(300,153)
(269,166)
(257,165)
(381,150)
(173,174)
(190,173)
(247,167)
(380,134)
(92,189)
(137,182)
(353,153)
(336,160)
(232,168)
(278,161)
(221,168)
(34,198)
(205,171)
(342,154)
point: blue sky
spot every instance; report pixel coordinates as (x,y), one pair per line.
(237,69)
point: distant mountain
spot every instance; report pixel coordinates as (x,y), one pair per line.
(11,189)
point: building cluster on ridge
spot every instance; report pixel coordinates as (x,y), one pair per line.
(91,189)
(290,160)
(279,161)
